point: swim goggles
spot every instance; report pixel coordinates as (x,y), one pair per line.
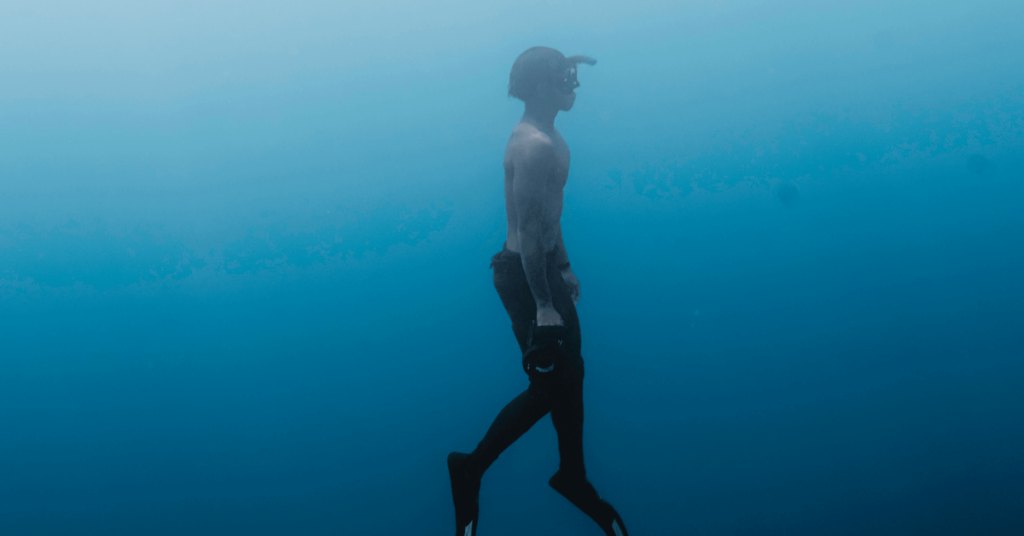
(569,81)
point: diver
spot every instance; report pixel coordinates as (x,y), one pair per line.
(539,291)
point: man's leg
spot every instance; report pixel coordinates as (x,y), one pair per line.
(571,478)
(518,416)
(567,394)
(514,420)
(466,470)
(567,417)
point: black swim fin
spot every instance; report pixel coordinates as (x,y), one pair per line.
(583,495)
(465,493)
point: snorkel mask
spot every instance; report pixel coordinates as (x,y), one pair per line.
(569,82)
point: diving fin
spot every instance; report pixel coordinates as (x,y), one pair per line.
(583,495)
(465,493)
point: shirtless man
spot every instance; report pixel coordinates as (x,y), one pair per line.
(539,291)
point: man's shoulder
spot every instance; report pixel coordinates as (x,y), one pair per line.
(529,145)
(527,136)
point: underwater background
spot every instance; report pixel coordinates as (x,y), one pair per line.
(244,282)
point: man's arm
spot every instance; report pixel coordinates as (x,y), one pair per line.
(562,262)
(535,165)
(561,256)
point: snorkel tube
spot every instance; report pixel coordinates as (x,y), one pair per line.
(581,59)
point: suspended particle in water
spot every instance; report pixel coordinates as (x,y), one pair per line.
(788,194)
(977,164)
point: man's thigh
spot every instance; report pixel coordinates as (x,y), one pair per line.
(514,291)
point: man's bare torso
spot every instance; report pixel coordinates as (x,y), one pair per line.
(519,153)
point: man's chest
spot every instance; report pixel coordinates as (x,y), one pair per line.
(562,162)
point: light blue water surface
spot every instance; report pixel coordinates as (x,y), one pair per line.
(244,249)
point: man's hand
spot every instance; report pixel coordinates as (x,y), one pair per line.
(548,316)
(574,284)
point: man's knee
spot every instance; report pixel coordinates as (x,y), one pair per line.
(542,387)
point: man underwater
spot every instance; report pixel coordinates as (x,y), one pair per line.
(539,292)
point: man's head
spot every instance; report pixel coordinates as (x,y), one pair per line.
(544,76)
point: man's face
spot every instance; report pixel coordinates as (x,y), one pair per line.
(566,100)
(556,95)
(567,86)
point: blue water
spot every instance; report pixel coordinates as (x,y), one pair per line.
(244,282)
